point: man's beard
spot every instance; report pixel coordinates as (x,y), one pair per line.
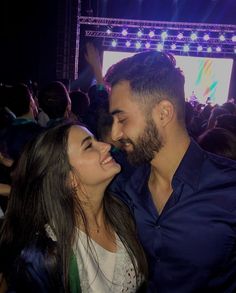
(147,144)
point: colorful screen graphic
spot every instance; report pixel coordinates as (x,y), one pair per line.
(204,77)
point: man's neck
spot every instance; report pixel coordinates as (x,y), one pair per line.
(168,159)
(163,168)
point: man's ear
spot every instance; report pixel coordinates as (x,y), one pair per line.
(164,112)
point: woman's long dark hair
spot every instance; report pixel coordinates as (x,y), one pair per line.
(42,194)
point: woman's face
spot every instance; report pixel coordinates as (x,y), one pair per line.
(90,158)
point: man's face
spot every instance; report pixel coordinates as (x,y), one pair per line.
(132,126)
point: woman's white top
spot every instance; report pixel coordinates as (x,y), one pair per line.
(101,270)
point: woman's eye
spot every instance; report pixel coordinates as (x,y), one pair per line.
(88,146)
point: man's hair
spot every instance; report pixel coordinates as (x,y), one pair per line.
(79,103)
(152,76)
(219,141)
(19,99)
(53,99)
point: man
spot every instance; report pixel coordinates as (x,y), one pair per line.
(55,102)
(183,198)
(24,128)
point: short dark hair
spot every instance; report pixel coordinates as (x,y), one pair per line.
(153,76)
(219,141)
(79,103)
(53,99)
(18,100)
(227,121)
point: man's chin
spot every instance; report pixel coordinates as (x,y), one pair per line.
(128,148)
(135,160)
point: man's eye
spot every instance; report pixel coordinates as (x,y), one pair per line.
(88,146)
(122,120)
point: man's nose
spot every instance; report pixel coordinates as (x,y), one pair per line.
(116,131)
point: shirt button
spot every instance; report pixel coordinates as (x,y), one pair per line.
(158,227)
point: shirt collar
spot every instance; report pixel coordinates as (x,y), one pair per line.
(188,169)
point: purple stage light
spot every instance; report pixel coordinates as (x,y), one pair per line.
(180,36)
(199,48)
(139,33)
(209,50)
(173,46)
(164,35)
(206,37)
(114,43)
(147,45)
(186,48)
(138,45)
(193,36)
(124,32)
(233,38)
(160,47)
(151,34)
(218,49)
(109,31)
(222,38)
(127,44)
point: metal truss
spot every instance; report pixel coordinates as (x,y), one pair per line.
(157,24)
(97,27)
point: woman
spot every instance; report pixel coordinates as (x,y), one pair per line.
(62,231)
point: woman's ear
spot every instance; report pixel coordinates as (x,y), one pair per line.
(73,180)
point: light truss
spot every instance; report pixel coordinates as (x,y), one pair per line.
(213,39)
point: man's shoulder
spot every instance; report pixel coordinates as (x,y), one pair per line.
(218,173)
(219,163)
(199,165)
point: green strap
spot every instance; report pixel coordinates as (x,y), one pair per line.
(74,276)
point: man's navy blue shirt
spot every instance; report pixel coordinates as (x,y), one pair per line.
(191,245)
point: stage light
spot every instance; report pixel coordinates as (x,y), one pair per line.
(124,32)
(127,44)
(222,38)
(160,47)
(186,48)
(109,31)
(164,35)
(199,48)
(235,50)
(206,37)
(139,33)
(196,36)
(114,43)
(193,36)
(180,36)
(138,45)
(151,34)
(209,50)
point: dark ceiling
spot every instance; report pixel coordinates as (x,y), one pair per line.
(207,11)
